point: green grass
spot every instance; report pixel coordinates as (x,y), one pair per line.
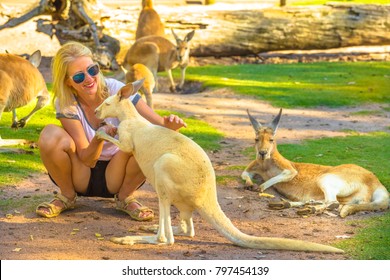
(302,85)
(372,242)
(25,204)
(322,2)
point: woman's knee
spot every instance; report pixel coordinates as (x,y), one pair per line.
(54,137)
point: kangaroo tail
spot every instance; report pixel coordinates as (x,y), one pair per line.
(380,201)
(218,219)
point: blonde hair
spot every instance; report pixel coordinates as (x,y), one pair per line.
(68,53)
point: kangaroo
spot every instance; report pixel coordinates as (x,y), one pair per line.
(160,54)
(181,174)
(349,187)
(149,22)
(20,82)
(138,72)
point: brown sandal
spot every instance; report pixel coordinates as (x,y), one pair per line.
(55,210)
(134,214)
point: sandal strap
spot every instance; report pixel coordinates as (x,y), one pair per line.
(68,204)
(134,214)
(124,203)
(53,209)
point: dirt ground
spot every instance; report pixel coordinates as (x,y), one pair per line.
(84,233)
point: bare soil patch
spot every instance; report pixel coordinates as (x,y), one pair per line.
(84,233)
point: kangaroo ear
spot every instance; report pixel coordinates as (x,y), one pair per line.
(35,58)
(275,122)
(130,89)
(174,35)
(189,36)
(137,85)
(256,125)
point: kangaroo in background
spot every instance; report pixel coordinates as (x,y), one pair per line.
(149,22)
(349,187)
(138,72)
(182,175)
(160,54)
(20,82)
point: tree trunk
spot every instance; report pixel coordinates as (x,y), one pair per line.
(247,32)
(292,28)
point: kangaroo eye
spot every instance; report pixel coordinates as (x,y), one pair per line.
(257,140)
(271,140)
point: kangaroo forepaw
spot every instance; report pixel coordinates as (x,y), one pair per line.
(100,134)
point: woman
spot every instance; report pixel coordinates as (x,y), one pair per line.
(78,162)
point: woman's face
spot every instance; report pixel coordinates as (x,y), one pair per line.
(79,76)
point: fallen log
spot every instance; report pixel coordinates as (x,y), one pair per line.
(244,32)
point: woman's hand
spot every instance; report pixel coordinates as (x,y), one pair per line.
(174,122)
(109,129)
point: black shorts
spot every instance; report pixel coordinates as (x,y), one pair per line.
(97,185)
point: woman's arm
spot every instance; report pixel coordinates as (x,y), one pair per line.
(173,122)
(87,152)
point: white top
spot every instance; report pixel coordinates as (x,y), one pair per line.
(76,112)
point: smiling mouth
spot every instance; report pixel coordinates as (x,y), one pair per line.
(90,85)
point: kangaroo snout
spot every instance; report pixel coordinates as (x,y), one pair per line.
(263,153)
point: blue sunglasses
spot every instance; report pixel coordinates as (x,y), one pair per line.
(92,71)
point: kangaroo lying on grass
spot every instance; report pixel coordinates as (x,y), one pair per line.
(348,186)
(182,175)
(20,83)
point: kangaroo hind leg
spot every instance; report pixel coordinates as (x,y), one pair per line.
(164,230)
(185,228)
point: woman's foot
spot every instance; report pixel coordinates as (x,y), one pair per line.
(134,209)
(53,208)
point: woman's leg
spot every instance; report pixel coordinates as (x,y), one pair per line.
(58,154)
(123,177)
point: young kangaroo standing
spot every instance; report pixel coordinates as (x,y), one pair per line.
(138,72)
(149,22)
(21,82)
(182,175)
(348,186)
(159,54)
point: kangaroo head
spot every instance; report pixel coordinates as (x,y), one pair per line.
(183,46)
(110,108)
(265,141)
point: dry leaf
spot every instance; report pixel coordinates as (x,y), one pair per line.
(266,195)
